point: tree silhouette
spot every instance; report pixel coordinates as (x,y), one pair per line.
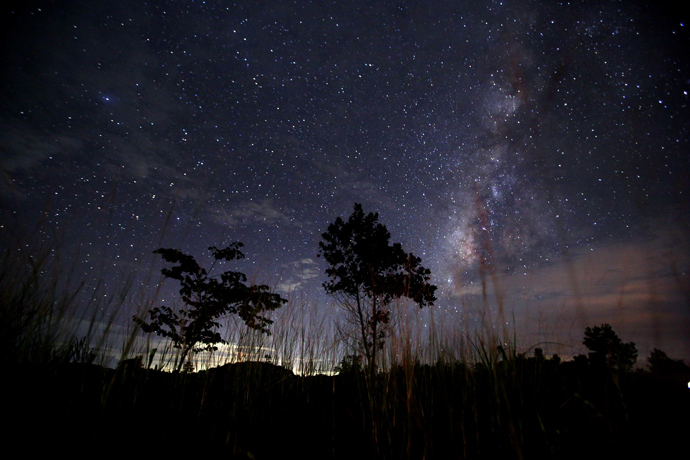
(607,349)
(366,273)
(206,299)
(660,363)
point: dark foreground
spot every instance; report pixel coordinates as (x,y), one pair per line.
(522,408)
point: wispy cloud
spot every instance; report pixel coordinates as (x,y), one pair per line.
(25,149)
(264,212)
(630,285)
(299,273)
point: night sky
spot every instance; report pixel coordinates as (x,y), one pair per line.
(548,138)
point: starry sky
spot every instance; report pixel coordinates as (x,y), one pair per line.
(539,147)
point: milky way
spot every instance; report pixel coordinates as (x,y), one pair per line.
(527,137)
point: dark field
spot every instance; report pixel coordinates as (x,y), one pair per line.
(515,408)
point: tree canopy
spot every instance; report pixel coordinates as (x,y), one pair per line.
(206,299)
(366,273)
(607,349)
(660,363)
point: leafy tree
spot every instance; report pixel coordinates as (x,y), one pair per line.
(207,298)
(660,363)
(607,349)
(366,273)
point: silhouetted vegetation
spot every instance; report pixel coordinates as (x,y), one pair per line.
(491,402)
(607,349)
(660,363)
(207,298)
(366,273)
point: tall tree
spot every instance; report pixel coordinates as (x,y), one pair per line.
(366,273)
(608,350)
(206,299)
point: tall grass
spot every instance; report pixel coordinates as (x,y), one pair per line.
(36,296)
(49,313)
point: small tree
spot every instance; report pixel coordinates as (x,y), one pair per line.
(349,365)
(206,299)
(366,273)
(607,350)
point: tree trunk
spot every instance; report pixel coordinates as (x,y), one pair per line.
(374,346)
(363,328)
